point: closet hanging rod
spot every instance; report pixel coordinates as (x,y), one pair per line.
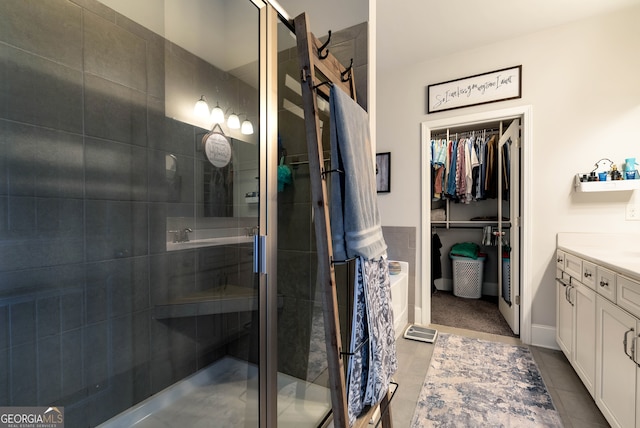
(441,133)
(469,225)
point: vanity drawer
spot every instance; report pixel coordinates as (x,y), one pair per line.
(606,283)
(628,293)
(560,259)
(588,274)
(573,266)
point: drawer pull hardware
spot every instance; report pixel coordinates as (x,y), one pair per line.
(559,260)
(587,274)
(603,283)
(624,343)
(573,303)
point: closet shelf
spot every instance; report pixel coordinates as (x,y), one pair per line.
(605,186)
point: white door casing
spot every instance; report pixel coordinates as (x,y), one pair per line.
(423,295)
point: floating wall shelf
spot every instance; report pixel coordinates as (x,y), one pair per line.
(605,186)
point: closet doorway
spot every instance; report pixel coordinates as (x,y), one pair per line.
(483,213)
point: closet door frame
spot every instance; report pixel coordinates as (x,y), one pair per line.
(525,113)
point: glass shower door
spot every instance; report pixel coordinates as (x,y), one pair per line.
(303,381)
(127,216)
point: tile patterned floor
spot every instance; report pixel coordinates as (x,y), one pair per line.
(572,400)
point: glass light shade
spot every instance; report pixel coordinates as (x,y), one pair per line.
(217,115)
(233,122)
(247,127)
(201,109)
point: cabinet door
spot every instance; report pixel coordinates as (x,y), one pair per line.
(584,349)
(615,392)
(564,317)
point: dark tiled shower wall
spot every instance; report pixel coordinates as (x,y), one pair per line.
(83,209)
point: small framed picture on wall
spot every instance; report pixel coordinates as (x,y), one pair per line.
(383,172)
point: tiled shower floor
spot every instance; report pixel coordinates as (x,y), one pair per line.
(225,394)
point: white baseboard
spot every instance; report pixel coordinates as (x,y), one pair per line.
(544,336)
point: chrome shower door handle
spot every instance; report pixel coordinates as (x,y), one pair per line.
(259,254)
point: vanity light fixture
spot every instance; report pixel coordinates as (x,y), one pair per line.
(247,127)
(201,109)
(233,121)
(217,114)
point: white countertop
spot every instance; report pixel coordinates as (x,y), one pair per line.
(618,252)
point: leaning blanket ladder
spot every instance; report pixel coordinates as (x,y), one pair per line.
(319,69)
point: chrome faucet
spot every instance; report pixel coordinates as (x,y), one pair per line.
(181,235)
(251,231)
(185,234)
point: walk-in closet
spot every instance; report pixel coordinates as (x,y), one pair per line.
(475,215)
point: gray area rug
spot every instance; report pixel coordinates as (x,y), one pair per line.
(473,383)
(472,314)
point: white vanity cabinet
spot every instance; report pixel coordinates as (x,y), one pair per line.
(598,325)
(564,314)
(617,374)
(576,326)
(584,355)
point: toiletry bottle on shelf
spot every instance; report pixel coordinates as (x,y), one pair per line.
(615,174)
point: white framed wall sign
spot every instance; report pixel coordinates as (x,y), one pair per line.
(499,85)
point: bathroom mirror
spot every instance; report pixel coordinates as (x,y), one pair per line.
(171,166)
(229,172)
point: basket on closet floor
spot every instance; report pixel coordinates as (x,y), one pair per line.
(467,276)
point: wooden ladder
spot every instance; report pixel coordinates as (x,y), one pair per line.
(319,70)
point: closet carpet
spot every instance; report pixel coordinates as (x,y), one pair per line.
(471,314)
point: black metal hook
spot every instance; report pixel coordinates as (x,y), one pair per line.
(323,83)
(323,55)
(346,74)
(324,173)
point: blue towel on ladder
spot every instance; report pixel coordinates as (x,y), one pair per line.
(355,221)
(356,231)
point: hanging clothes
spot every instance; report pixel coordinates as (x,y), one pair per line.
(453,159)
(465,169)
(436,261)
(491,172)
(506,170)
(481,149)
(460,181)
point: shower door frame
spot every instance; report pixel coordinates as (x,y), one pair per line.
(266,243)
